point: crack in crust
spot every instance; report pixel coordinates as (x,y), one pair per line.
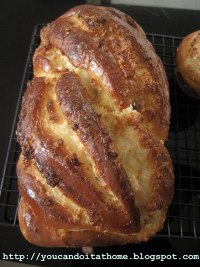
(93,171)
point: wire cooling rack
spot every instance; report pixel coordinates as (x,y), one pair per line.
(183,219)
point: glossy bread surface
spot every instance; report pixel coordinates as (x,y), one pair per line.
(93,169)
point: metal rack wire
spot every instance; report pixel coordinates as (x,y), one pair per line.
(183,220)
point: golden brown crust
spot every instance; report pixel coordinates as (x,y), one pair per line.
(70,179)
(187,60)
(114,49)
(93,170)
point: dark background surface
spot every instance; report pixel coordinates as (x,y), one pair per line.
(17,21)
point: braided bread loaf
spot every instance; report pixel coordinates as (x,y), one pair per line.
(93,169)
